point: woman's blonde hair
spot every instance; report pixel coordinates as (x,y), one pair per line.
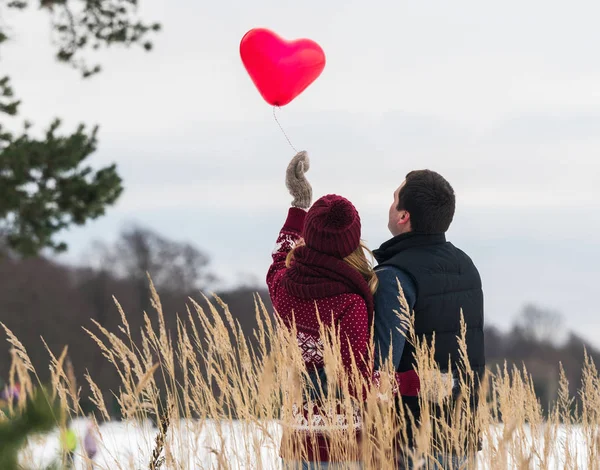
(357,259)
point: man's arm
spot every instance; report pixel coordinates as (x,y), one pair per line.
(388,327)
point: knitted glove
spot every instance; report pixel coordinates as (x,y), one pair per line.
(296,182)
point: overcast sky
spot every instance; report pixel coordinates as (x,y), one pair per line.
(503,99)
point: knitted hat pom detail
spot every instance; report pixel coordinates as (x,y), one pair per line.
(340,215)
(332,226)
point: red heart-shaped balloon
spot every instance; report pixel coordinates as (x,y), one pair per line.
(280,69)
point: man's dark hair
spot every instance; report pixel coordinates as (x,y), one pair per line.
(430,201)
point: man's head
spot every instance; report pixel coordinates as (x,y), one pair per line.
(423,203)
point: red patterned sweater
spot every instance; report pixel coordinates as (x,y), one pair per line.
(349,314)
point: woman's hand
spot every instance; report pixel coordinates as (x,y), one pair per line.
(296,181)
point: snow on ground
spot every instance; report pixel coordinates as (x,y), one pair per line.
(129,445)
(199,446)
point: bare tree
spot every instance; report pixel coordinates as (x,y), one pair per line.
(539,325)
(174,266)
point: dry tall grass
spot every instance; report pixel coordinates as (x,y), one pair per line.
(221,398)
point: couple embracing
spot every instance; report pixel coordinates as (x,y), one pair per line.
(320,265)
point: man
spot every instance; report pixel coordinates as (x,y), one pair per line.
(68,441)
(438,281)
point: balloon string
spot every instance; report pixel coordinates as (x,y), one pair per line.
(283,131)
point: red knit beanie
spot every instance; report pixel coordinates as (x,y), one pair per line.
(332,226)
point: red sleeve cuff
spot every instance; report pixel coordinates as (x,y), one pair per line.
(295,220)
(410,385)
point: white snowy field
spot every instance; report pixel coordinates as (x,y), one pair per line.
(199,446)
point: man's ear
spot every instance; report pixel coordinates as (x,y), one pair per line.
(404,218)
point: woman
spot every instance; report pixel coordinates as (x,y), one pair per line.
(90,444)
(320,274)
